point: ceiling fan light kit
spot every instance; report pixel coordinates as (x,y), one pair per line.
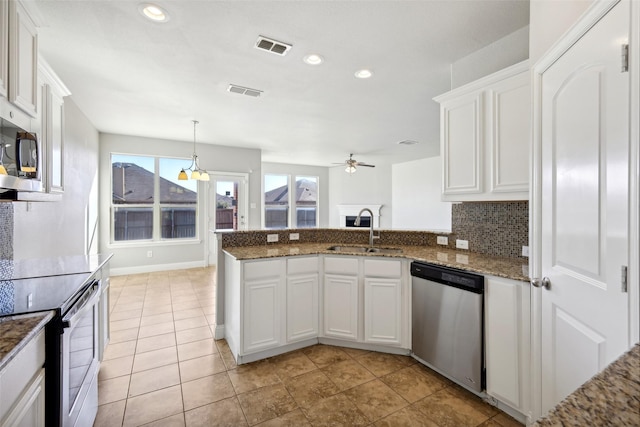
(351,164)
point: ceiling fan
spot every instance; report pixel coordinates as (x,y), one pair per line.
(351,164)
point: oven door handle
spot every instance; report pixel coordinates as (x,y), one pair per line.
(89,299)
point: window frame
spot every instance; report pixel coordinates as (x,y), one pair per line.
(292,214)
(156,207)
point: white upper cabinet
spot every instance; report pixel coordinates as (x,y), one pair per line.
(22,59)
(484,137)
(4,47)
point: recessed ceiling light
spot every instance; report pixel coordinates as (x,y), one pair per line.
(153,12)
(363,74)
(313,59)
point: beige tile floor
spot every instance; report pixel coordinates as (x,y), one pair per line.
(163,368)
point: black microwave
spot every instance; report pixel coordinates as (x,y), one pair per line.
(20,160)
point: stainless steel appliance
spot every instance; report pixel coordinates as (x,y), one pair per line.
(20,160)
(71,286)
(447,322)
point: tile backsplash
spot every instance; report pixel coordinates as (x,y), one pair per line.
(6,230)
(492,228)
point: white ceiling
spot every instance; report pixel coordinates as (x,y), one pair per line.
(135,77)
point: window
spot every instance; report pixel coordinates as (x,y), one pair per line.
(148,202)
(278,199)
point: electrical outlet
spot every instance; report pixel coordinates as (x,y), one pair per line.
(443,240)
(462,259)
(272,238)
(294,236)
(462,244)
(525,251)
(149,254)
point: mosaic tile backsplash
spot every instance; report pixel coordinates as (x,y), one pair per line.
(492,228)
(499,229)
(7,288)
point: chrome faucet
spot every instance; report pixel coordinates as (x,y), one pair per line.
(357,224)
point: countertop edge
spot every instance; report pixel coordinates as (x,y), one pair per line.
(266,252)
(46,318)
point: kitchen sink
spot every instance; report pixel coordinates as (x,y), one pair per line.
(361,250)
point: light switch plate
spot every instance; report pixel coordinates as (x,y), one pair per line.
(525,251)
(443,240)
(272,238)
(294,236)
(462,244)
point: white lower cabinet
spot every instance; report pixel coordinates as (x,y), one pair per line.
(382,310)
(22,387)
(302,298)
(341,306)
(507,323)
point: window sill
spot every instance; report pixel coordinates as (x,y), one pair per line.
(155,243)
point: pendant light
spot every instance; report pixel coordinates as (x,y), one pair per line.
(196,172)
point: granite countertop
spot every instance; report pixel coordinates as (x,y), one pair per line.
(611,398)
(511,268)
(17,331)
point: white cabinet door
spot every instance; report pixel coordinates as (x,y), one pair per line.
(29,410)
(510,126)
(340,308)
(461,133)
(23,59)
(507,315)
(302,307)
(4,47)
(261,315)
(382,310)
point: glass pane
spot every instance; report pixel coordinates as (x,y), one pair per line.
(306,201)
(178,222)
(226,205)
(174,191)
(276,201)
(132,223)
(81,353)
(132,179)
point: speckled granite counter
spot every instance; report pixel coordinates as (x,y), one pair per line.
(17,331)
(511,268)
(611,398)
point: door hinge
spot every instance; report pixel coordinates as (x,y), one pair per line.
(623,278)
(625,58)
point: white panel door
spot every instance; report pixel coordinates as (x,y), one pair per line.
(341,306)
(584,207)
(4,47)
(302,307)
(23,64)
(382,310)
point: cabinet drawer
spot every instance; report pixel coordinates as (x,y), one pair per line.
(262,269)
(382,268)
(341,265)
(302,265)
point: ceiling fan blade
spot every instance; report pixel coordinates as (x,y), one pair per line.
(365,164)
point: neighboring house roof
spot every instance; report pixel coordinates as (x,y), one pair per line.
(306,194)
(134,184)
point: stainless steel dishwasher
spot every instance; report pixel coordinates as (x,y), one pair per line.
(448,322)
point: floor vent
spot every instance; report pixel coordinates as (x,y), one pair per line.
(273,46)
(240,90)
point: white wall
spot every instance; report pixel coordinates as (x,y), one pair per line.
(549,19)
(131,258)
(301,170)
(417,192)
(49,229)
(500,54)
(366,186)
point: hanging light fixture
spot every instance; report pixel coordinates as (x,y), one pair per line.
(196,172)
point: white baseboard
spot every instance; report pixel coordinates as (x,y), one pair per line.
(155,267)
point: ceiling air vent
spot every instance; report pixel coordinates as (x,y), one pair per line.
(244,90)
(273,46)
